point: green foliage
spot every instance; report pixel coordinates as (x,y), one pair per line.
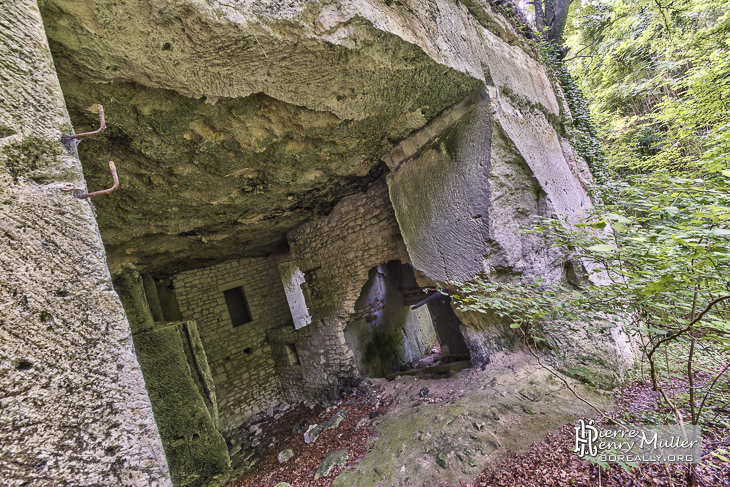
(647,252)
(670,236)
(655,254)
(520,303)
(582,134)
(657,259)
(657,77)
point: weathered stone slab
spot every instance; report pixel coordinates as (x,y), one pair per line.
(337,458)
(73,408)
(196,451)
(461,205)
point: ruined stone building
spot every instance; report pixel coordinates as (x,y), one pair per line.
(294,177)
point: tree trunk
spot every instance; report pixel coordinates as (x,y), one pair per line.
(551,16)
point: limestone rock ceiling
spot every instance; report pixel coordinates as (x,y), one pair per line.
(234,122)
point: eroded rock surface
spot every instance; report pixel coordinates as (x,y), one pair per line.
(466,421)
(233,123)
(73,407)
(236,127)
(465,201)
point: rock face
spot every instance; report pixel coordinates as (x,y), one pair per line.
(73,407)
(233,123)
(462,201)
(313,139)
(179,383)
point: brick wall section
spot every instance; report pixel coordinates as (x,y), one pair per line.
(335,253)
(245,383)
(304,381)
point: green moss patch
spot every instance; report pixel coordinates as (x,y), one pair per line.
(195,450)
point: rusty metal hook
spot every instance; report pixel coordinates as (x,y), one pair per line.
(113,169)
(71,141)
(102,126)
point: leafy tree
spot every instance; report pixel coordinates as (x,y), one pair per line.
(667,265)
(657,77)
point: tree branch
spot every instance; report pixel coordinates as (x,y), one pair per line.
(689,326)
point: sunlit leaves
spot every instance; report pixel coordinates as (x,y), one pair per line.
(602,248)
(657,76)
(670,259)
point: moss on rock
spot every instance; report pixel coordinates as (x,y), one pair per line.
(129,286)
(196,452)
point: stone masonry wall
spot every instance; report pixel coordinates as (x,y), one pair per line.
(299,382)
(336,253)
(73,406)
(241,361)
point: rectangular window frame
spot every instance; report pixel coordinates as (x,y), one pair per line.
(229,290)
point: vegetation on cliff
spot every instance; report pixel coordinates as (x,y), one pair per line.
(656,248)
(657,77)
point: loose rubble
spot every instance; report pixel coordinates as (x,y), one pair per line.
(285,455)
(313,444)
(337,458)
(467,435)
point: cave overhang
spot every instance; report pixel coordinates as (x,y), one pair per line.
(233,124)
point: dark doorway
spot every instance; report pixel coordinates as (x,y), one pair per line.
(399,325)
(384,333)
(446,324)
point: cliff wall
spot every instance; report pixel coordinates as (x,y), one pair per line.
(320,138)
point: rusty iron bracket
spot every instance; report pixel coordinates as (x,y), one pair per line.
(72,141)
(113,169)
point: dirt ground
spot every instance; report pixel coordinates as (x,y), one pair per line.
(552,461)
(509,424)
(465,422)
(429,429)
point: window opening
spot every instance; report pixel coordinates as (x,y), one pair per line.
(237,306)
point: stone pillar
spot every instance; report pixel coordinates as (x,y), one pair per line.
(73,406)
(181,388)
(128,284)
(179,383)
